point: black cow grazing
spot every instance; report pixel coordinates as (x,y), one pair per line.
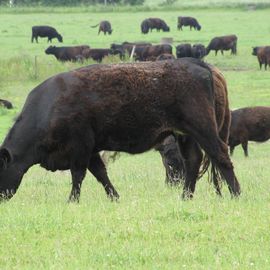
(97,54)
(152,52)
(249,124)
(5,103)
(104,26)
(184,50)
(45,31)
(69,118)
(263,55)
(188,21)
(198,51)
(66,53)
(223,43)
(128,47)
(165,56)
(154,23)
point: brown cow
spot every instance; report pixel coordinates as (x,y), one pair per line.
(69,118)
(66,53)
(98,54)
(154,23)
(263,55)
(154,51)
(188,21)
(45,31)
(249,124)
(223,43)
(104,26)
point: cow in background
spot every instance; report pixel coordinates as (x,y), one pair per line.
(104,26)
(223,43)
(45,31)
(188,21)
(249,124)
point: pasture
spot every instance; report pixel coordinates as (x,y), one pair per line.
(150,227)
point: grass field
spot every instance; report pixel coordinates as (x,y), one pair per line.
(150,227)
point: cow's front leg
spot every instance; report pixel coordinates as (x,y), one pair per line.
(77,178)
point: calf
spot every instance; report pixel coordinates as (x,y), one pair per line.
(188,21)
(249,124)
(263,55)
(154,23)
(45,31)
(66,53)
(97,54)
(153,51)
(223,43)
(7,104)
(105,27)
(165,56)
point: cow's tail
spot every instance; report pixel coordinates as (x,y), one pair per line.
(223,119)
(93,26)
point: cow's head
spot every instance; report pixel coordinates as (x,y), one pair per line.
(198,51)
(255,50)
(110,31)
(60,38)
(50,50)
(199,27)
(166,28)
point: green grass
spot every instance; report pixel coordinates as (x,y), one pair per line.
(150,227)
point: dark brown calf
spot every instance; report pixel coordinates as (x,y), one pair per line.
(104,26)
(96,54)
(150,52)
(223,43)
(154,23)
(263,55)
(45,31)
(249,124)
(188,21)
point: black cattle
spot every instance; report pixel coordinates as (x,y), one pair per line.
(98,54)
(154,23)
(121,49)
(152,52)
(188,21)
(5,103)
(69,118)
(198,51)
(105,27)
(66,53)
(223,43)
(184,50)
(263,55)
(249,124)
(45,31)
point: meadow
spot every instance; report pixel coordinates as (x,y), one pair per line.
(150,227)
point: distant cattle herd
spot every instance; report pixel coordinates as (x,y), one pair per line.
(132,108)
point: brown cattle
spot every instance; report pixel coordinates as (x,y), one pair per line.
(66,53)
(69,118)
(104,26)
(263,55)
(188,21)
(96,54)
(249,124)
(154,51)
(154,23)
(182,153)
(223,43)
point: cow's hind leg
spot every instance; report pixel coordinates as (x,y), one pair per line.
(192,155)
(77,178)
(98,169)
(245,147)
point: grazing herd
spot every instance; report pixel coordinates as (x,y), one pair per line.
(71,117)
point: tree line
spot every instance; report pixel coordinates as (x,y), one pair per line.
(69,2)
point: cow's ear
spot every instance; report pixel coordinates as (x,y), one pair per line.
(5,158)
